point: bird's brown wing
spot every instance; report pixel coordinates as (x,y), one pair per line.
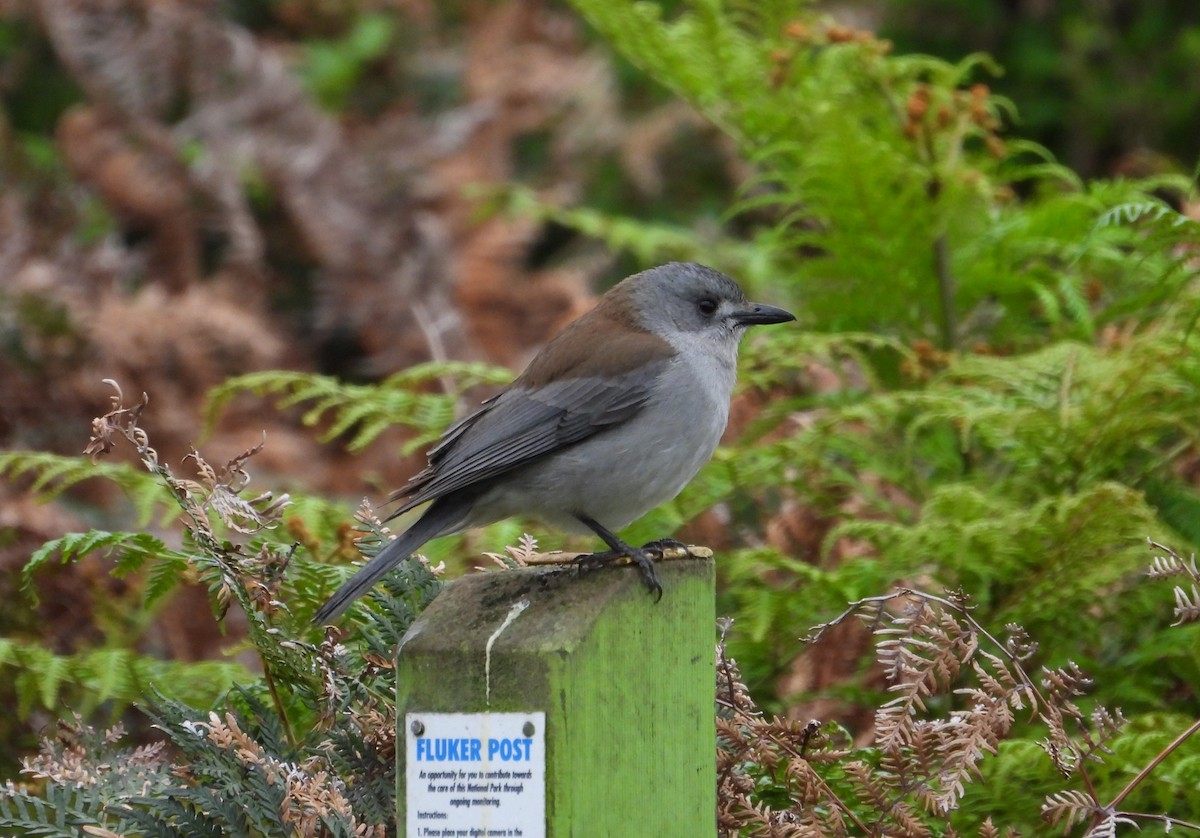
(520,425)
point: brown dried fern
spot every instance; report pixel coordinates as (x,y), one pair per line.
(1170,564)
(926,756)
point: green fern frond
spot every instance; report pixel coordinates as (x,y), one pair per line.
(40,673)
(1178,505)
(163,577)
(647,241)
(398,600)
(855,357)
(53,474)
(208,811)
(373,792)
(1132,212)
(60,811)
(91,677)
(863,194)
(1066,415)
(699,54)
(234,777)
(365,411)
(167,816)
(133,550)
(971,539)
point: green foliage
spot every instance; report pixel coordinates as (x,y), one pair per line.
(38,91)
(963,705)
(333,69)
(891,192)
(1022,764)
(49,475)
(1065,416)
(646,241)
(1106,84)
(133,550)
(360,411)
(89,679)
(60,811)
(1031,481)
(308,747)
(1028,471)
(242,779)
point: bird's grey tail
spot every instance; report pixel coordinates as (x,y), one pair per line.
(441,518)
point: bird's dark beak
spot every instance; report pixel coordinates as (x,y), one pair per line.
(761,314)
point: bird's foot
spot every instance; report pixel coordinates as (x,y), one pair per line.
(643,557)
(664,545)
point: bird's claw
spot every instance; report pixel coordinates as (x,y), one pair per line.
(662,546)
(649,574)
(642,557)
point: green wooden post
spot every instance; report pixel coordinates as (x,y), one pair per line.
(626,685)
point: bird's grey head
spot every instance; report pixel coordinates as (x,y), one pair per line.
(689,299)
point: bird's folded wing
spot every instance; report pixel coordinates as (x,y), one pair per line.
(520,425)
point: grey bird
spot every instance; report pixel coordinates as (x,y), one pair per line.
(610,419)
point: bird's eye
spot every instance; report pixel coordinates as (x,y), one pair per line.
(707,306)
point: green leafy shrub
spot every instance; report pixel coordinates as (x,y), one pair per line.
(304,748)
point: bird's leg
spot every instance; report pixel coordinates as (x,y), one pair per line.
(618,548)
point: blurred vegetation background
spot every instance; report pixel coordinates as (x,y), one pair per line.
(342,223)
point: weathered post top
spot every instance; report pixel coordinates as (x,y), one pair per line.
(611,692)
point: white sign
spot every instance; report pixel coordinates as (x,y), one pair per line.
(476,775)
